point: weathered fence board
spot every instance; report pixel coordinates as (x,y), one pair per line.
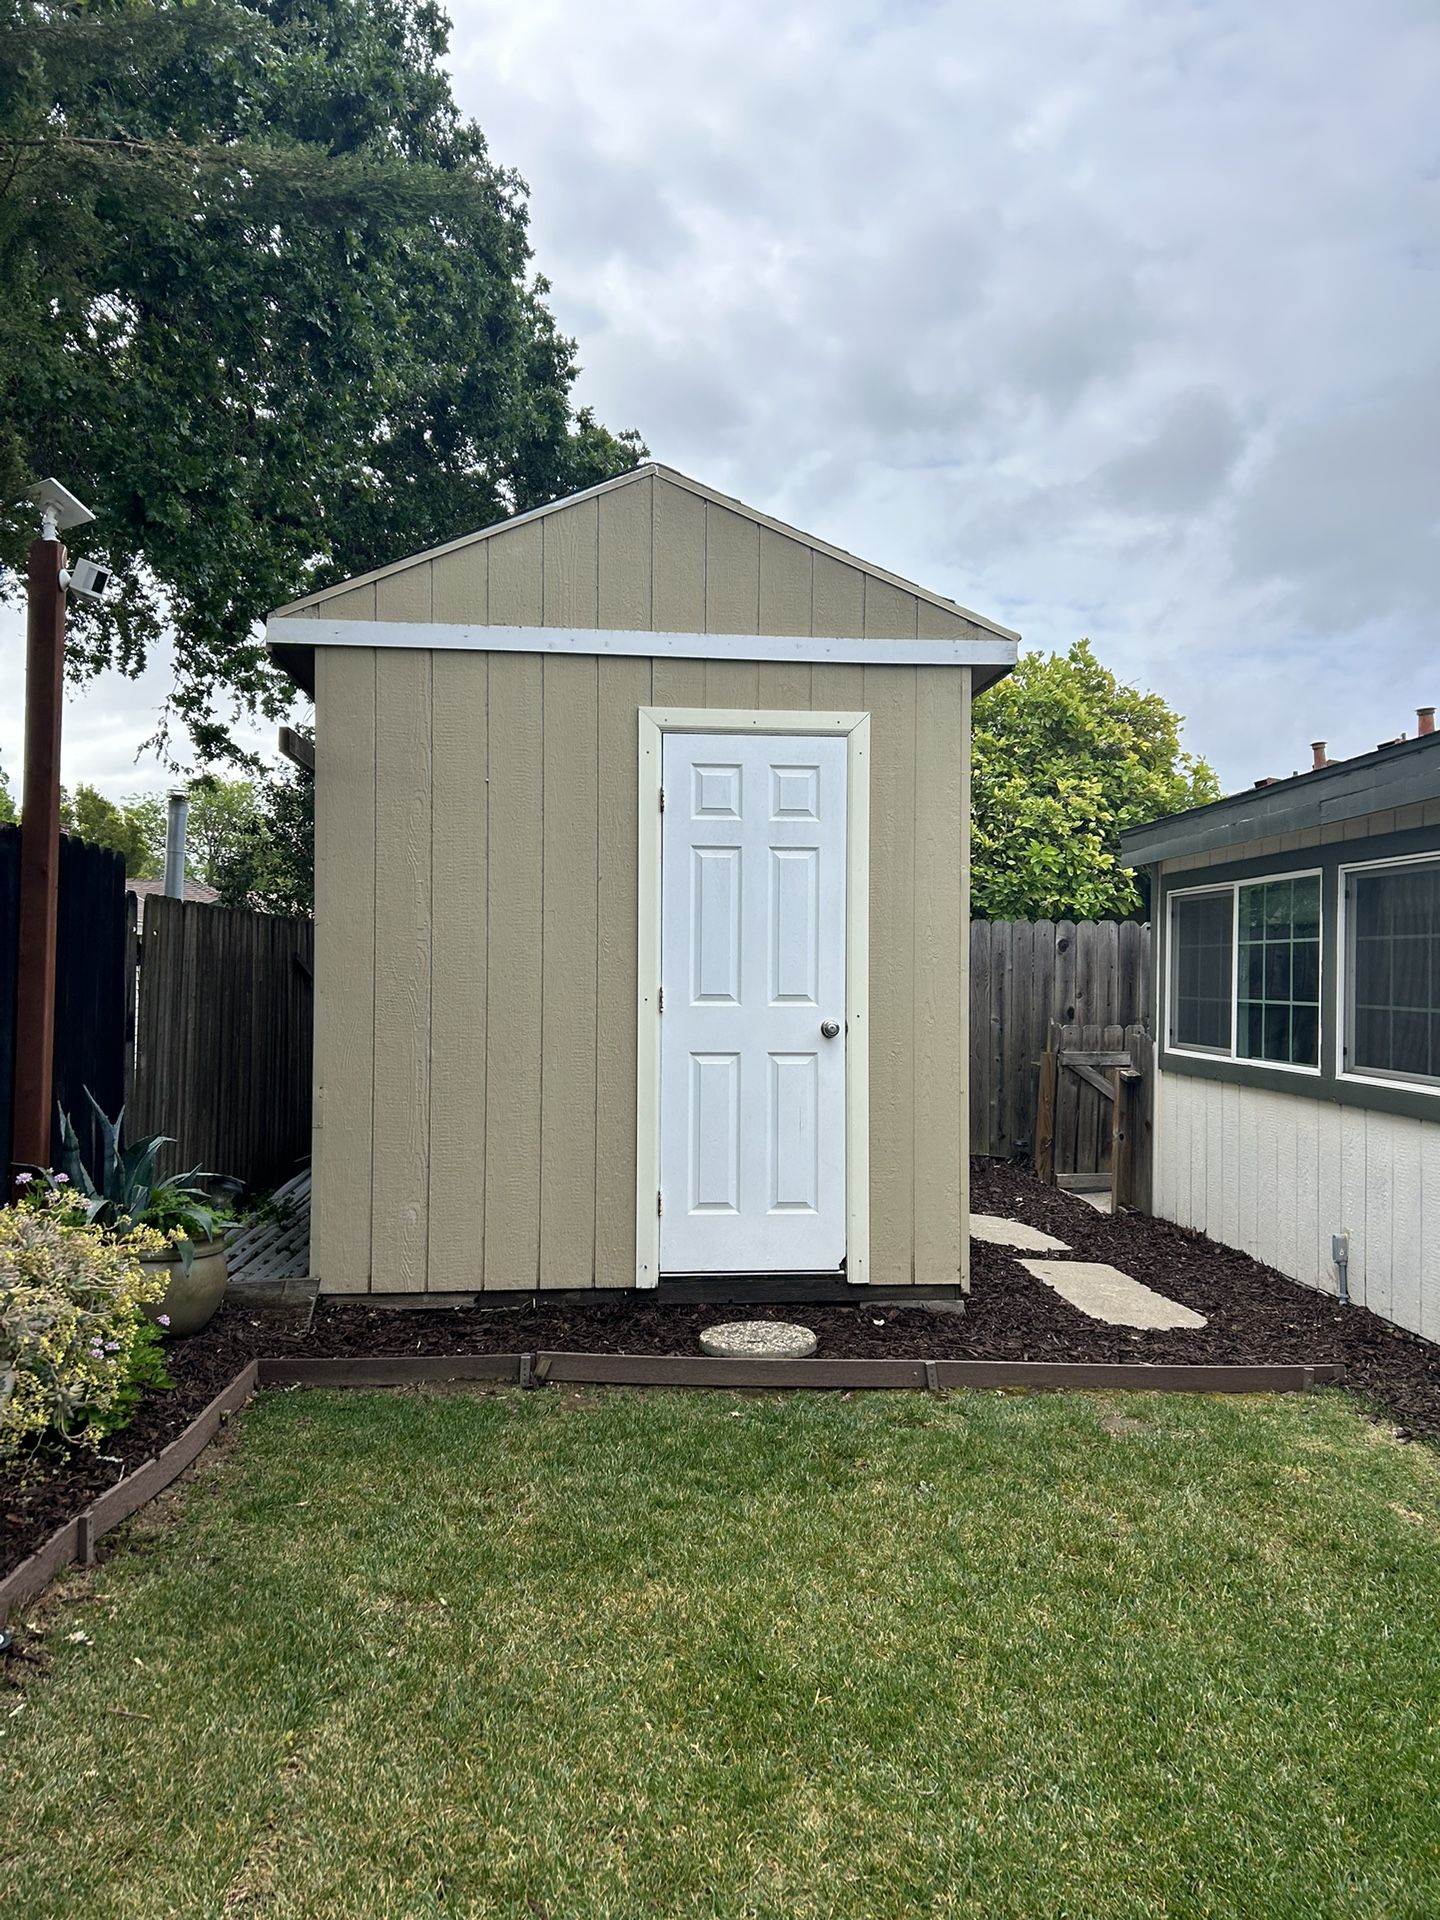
(223,1045)
(1025,977)
(90,983)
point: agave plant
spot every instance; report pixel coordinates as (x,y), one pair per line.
(130,1196)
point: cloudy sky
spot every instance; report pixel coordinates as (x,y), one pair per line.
(1109,319)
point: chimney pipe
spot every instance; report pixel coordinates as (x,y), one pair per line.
(1425,716)
(1317,747)
(176,816)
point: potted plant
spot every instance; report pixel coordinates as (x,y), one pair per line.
(129,1197)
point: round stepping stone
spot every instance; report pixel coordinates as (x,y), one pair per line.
(758,1340)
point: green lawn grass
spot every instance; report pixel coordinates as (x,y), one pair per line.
(650,1654)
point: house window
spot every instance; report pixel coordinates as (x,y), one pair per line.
(1278,972)
(1202,940)
(1244,981)
(1392,983)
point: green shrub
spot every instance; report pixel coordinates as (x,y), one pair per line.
(75,1347)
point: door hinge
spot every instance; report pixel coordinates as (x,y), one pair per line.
(662,799)
(662,999)
(659,1204)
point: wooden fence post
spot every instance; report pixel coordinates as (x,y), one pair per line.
(1045,1113)
(1121,1138)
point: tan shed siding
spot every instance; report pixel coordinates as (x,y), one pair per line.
(567,972)
(732,572)
(625,562)
(458,966)
(572,565)
(476,1071)
(732,602)
(625,687)
(678,558)
(516,924)
(517,576)
(890,700)
(839,599)
(941,1146)
(962,1090)
(345,793)
(358,603)
(403,925)
(787,584)
(460,585)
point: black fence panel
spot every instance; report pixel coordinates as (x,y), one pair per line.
(90,960)
(9,938)
(90,987)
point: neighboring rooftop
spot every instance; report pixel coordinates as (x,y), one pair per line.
(196,891)
(1396,774)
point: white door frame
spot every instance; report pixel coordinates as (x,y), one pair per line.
(855,728)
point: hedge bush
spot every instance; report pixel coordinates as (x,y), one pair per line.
(73,1334)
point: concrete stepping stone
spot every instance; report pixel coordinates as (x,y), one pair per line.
(1000,1232)
(1105,1293)
(758,1340)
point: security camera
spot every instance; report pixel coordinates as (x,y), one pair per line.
(88,580)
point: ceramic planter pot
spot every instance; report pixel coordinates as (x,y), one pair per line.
(190,1298)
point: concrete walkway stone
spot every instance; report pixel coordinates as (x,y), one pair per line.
(1000,1232)
(758,1340)
(1105,1293)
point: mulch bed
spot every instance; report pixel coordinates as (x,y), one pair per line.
(1255,1317)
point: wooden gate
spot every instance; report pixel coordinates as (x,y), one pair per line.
(1096,1112)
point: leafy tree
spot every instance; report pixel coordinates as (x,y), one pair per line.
(1064,757)
(257,846)
(269,309)
(135,828)
(222,813)
(9,813)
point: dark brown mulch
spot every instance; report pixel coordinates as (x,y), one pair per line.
(1254,1315)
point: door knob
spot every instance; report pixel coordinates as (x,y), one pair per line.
(829,1028)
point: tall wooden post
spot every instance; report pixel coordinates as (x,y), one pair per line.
(39,857)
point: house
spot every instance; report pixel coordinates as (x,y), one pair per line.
(1297,1104)
(641,907)
(197,892)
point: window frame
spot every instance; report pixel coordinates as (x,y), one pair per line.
(1172,962)
(1233,1057)
(1427,1085)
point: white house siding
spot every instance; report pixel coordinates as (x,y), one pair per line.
(1277,1174)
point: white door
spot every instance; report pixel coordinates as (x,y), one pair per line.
(752,1035)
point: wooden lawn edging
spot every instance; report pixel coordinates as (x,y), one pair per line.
(75,1541)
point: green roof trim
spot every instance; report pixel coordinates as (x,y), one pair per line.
(1394,776)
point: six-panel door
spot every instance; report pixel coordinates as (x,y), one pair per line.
(752,1037)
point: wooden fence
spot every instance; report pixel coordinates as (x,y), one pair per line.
(223,1044)
(92,1010)
(1025,977)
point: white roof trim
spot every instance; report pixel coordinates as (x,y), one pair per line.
(657,470)
(437,636)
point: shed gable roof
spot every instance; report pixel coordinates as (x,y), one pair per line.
(935,616)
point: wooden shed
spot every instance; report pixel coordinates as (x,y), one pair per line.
(641,907)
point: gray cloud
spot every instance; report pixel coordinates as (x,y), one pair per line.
(1345,510)
(1184,463)
(1115,319)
